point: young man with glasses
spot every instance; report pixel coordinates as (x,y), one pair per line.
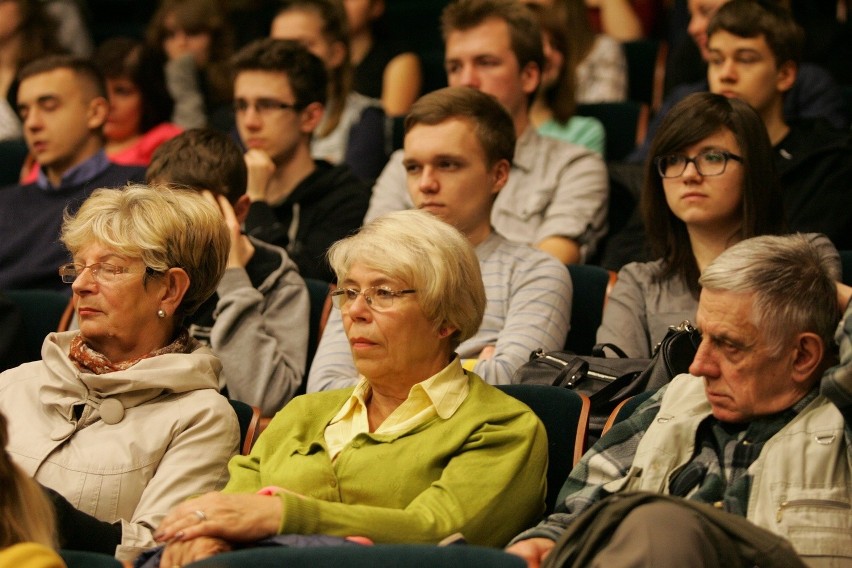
(298,203)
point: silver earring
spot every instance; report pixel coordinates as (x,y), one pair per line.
(161,313)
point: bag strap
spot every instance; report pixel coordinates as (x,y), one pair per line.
(598,350)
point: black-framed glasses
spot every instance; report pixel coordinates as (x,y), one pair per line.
(264,107)
(100,271)
(377,297)
(708,163)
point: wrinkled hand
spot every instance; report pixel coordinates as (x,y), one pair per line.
(234,518)
(241,248)
(260,169)
(182,553)
(532,550)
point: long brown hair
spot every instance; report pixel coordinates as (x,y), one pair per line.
(26,514)
(694,118)
(194,16)
(558,97)
(335,28)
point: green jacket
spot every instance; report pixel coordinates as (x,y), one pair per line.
(481,472)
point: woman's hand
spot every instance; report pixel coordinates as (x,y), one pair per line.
(532,550)
(234,518)
(182,553)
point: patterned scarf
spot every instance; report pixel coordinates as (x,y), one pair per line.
(89,360)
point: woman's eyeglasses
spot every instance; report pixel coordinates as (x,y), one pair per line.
(376,297)
(707,163)
(100,271)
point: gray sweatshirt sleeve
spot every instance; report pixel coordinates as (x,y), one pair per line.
(262,338)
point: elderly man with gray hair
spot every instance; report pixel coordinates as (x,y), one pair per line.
(745,460)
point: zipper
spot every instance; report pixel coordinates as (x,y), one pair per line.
(810,503)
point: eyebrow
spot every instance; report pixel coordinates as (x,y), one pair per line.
(381,281)
(456,157)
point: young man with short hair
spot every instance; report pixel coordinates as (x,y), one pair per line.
(754,51)
(814,94)
(458,149)
(556,197)
(298,203)
(256,321)
(63,107)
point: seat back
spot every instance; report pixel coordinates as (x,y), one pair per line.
(622,122)
(641,56)
(41,311)
(592,285)
(624,409)
(319,309)
(83,559)
(249,417)
(354,556)
(565,415)
(846,263)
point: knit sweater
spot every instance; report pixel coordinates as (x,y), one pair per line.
(30,221)
(480,472)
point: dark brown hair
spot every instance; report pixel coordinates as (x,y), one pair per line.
(199,159)
(126,58)
(694,118)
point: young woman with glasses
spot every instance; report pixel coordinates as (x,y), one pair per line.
(709,184)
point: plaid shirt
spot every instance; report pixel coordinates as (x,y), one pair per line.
(718,470)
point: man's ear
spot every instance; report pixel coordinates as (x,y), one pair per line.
(311,117)
(97,113)
(786,76)
(500,171)
(808,355)
(241,208)
(337,55)
(176,285)
(530,78)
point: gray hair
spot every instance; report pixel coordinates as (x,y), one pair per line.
(792,278)
(427,254)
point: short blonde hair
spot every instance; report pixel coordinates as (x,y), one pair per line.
(428,255)
(165,227)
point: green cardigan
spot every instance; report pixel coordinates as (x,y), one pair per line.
(481,472)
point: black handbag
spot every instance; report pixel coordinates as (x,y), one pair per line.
(609,380)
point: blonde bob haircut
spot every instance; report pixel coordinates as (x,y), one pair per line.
(164,227)
(428,255)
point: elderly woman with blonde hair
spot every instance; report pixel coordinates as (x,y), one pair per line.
(122,419)
(418,450)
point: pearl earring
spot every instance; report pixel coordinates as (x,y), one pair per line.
(161,313)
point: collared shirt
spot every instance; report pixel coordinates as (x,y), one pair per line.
(528,307)
(555,189)
(76,175)
(441,395)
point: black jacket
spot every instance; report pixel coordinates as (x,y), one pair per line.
(814,163)
(325,207)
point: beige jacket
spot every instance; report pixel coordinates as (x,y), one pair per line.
(173,441)
(801,482)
